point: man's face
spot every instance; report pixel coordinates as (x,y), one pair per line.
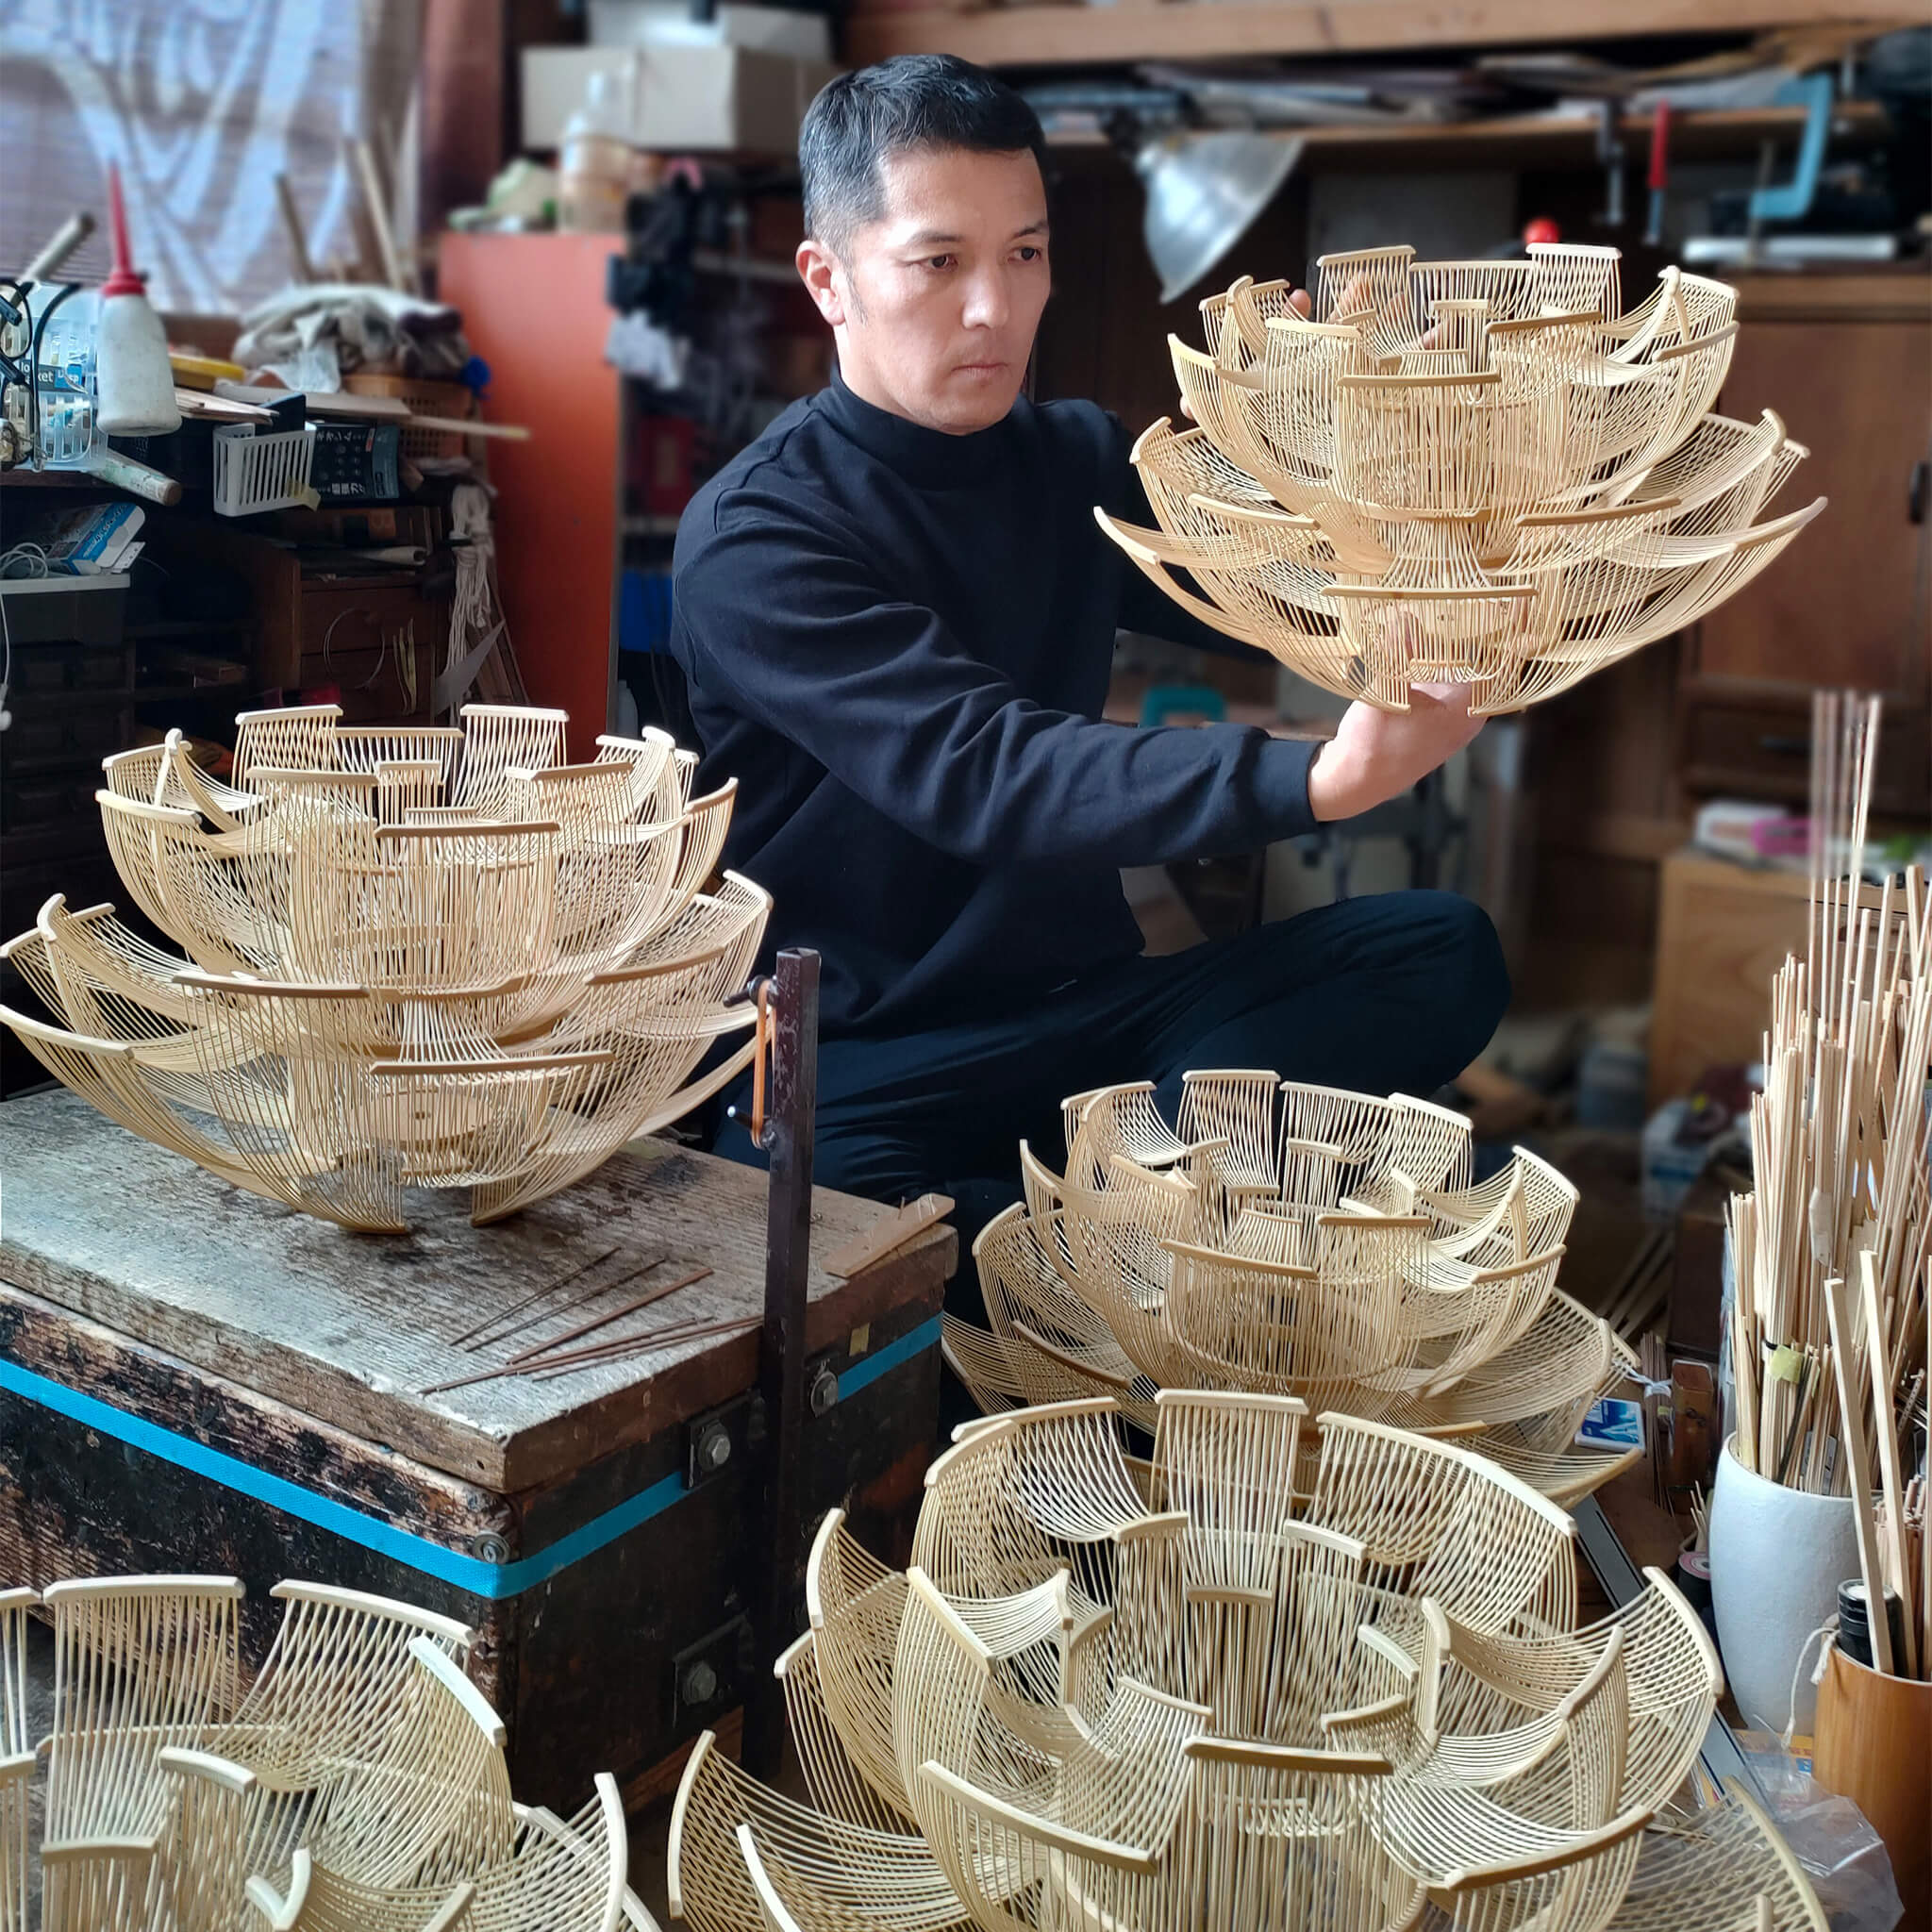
(935,303)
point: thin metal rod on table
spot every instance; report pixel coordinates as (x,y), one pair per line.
(782,1343)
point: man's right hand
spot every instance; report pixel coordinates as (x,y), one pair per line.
(1376,754)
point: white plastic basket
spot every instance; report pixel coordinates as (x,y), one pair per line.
(258,473)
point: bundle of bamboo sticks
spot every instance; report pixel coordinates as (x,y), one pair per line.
(1833,1247)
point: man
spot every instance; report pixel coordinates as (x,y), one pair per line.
(896,617)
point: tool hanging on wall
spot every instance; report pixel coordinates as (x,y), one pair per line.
(1660,175)
(1609,154)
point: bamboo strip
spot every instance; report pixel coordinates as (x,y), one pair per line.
(1859,1465)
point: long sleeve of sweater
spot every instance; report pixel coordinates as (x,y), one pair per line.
(794,629)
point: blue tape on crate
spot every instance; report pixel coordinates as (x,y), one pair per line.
(869,1370)
(472,1573)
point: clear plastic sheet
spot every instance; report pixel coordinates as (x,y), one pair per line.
(1844,1858)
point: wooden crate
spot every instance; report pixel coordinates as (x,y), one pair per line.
(195,1379)
(1722,932)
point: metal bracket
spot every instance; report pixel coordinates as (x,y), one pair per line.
(714,1673)
(721,1440)
(822,1387)
(781,1346)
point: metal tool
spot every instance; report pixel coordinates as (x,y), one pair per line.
(1610,153)
(1660,175)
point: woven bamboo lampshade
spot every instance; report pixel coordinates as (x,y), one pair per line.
(357,1785)
(1301,1241)
(1470,473)
(1199,1691)
(413,958)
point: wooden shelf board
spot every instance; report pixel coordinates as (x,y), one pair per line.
(1059,35)
(1695,135)
(21,478)
(68,698)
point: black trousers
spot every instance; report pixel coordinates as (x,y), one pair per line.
(1389,993)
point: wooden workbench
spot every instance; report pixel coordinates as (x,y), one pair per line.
(192,1378)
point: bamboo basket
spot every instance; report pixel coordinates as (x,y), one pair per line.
(1195,1692)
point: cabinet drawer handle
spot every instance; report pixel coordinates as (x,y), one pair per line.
(1783,746)
(1916,492)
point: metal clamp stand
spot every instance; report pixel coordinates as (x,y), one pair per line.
(793,990)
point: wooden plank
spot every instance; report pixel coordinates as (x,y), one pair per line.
(347,1327)
(1045,36)
(890,1231)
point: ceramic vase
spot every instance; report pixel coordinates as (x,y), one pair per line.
(1777,1557)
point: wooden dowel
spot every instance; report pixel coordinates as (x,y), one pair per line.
(1890,1476)
(291,226)
(640,1344)
(363,162)
(631,1308)
(659,1338)
(582,1299)
(463,426)
(531,1300)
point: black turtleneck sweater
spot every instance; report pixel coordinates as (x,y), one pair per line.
(898,642)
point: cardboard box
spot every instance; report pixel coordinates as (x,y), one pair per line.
(677,100)
(770,29)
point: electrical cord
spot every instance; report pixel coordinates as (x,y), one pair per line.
(16,308)
(6,664)
(60,294)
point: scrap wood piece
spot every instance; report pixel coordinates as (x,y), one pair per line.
(886,1235)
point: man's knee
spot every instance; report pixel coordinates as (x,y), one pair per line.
(1470,973)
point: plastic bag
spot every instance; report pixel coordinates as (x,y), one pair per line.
(1843,1857)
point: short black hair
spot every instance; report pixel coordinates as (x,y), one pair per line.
(911,101)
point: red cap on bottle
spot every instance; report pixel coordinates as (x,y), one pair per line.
(122,280)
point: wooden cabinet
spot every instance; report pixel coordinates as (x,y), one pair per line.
(1846,360)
